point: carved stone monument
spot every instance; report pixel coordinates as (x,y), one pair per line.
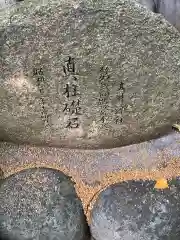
(87,74)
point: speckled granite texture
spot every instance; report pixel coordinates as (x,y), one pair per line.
(87,74)
(41,204)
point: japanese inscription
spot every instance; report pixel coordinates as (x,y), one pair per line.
(72,106)
(104,95)
(104,92)
(120,98)
(40,79)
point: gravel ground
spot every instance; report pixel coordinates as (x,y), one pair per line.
(94,170)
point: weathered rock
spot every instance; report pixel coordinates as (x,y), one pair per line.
(87,75)
(41,204)
(150,4)
(135,210)
(1,173)
(169,9)
(6,3)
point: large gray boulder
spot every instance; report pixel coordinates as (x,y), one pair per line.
(87,74)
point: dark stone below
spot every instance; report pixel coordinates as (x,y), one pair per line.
(135,210)
(40,204)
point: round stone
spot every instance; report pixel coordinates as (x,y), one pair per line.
(41,204)
(137,211)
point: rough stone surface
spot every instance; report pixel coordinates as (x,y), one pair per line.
(87,74)
(6,3)
(40,204)
(169,9)
(136,211)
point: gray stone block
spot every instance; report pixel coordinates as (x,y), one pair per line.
(41,204)
(87,75)
(136,211)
